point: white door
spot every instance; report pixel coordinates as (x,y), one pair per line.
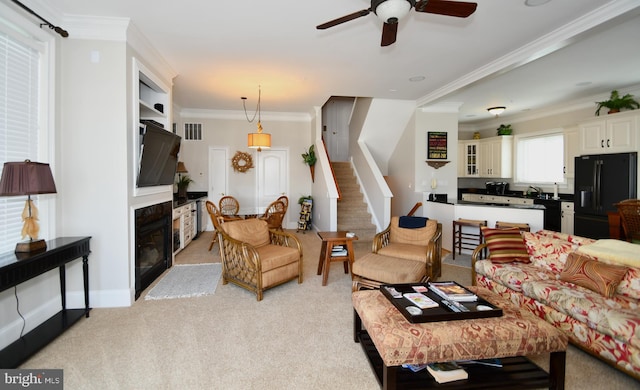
(335,127)
(218,181)
(273,180)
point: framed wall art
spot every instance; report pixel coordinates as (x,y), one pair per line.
(436,145)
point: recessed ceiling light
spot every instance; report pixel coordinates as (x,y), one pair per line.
(416,78)
(535,3)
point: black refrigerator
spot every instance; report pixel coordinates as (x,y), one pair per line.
(601,181)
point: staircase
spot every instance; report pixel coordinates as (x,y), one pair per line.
(353,215)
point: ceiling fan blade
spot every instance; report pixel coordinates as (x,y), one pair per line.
(389,32)
(459,9)
(343,19)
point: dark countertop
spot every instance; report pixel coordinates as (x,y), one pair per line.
(517,194)
(513,206)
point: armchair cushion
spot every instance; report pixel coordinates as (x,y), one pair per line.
(252,231)
(417,236)
(405,251)
(388,269)
(274,256)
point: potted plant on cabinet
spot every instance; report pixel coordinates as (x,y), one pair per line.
(310,159)
(617,103)
(504,130)
(182,184)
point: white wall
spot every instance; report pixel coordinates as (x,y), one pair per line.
(291,132)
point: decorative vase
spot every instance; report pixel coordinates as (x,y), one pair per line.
(312,168)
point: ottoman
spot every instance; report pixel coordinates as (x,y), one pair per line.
(389,341)
(372,270)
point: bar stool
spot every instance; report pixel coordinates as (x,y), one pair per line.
(524,227)
(466,239)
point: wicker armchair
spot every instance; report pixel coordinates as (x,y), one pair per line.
(400,253)
(629,211)
(229,206)
(257,258)
(274,215)
(216,220)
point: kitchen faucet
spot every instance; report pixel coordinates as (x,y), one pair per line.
(538,190)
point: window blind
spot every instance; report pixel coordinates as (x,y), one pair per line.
(19,95)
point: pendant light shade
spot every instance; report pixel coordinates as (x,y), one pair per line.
(257,140)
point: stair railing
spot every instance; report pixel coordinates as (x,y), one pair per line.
(415,208)
(333,173)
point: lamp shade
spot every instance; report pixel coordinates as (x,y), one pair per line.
(181,168)
(259,140)
(390,11)
(26,178)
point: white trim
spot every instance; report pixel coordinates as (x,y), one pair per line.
(540,47)
(195,113)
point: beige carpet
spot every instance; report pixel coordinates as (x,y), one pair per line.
(298,337)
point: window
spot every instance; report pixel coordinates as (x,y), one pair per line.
(540,158)
(20,91)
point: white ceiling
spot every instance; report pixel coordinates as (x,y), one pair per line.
(224,49)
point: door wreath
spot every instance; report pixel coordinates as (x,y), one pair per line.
(242,162)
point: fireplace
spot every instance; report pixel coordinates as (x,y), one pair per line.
(153,243)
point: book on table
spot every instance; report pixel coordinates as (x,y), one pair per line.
(452,291)
(447,372)
(338,250)
(421,300)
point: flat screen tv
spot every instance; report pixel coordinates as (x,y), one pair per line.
(158,156)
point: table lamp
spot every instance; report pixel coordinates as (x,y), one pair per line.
(28,178)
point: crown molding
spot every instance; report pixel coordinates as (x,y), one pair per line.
(540,47)
(237,115)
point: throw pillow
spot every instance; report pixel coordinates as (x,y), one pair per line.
(587,272)
(505,245)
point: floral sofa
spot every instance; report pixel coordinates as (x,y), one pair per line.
(590,289)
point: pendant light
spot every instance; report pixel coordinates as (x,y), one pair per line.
(257,140)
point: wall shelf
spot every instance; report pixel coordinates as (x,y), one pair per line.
(437,163)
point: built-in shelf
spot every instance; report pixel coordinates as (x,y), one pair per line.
(437,163)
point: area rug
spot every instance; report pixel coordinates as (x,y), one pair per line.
(186,281)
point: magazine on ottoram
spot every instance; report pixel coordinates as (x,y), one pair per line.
(452,291)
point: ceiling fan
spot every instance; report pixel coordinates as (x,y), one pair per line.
(391,11)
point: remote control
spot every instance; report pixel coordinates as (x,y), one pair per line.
(394,293)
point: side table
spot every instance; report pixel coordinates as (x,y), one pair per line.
(16,268)
(329,240)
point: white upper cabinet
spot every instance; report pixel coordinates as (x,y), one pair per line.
(615,133)
(489,157)
(496,156)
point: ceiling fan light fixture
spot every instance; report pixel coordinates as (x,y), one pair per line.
(391,11)
(496,110)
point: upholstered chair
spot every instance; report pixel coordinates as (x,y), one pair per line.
(401,255)
(258,258)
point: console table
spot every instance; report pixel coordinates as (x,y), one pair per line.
(16,268)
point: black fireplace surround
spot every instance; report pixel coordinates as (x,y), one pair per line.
(153,243)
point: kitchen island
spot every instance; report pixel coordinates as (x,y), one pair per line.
(446,213)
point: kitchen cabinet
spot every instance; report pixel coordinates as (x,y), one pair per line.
(566,217)
(489,157)
(571,150)
(615,133)
(495,156)
(484,198)
(468,159)
(184,225)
